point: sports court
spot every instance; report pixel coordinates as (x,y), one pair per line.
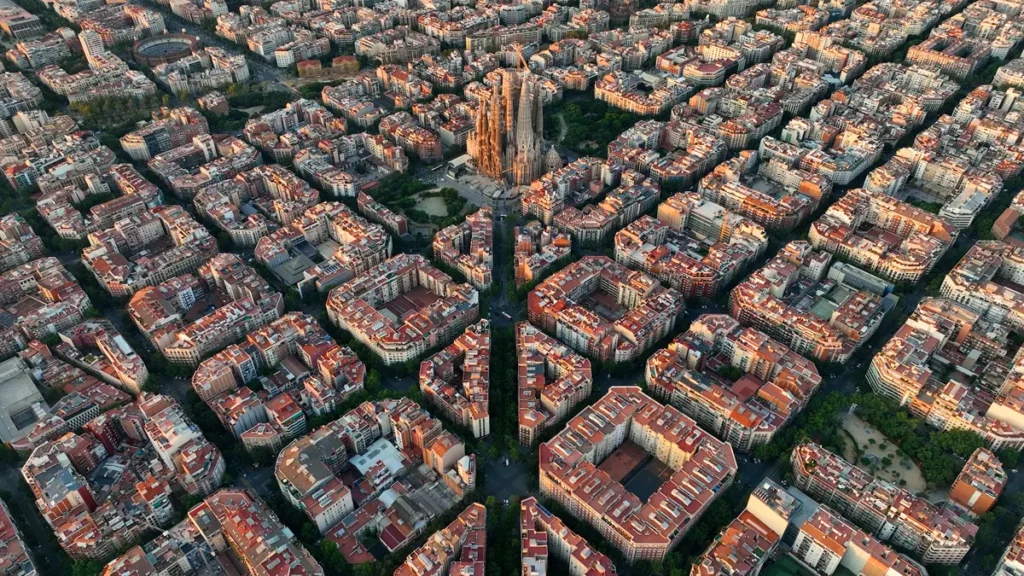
(416,299)
(620,463)
(604,305)
(639,472)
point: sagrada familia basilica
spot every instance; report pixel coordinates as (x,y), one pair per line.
(507,140)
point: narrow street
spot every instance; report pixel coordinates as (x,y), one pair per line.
(28,520)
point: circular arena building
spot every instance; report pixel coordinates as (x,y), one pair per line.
(164,49)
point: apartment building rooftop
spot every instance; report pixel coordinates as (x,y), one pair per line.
(958,161)
(775,385)
(147,249)
(593,223)
(401,307)
(739,117)
(537,249)
(740,549)
(935,534)
(793,301)
(827,530)
(60,156)
(39,298)
(696,246)
(203,161)
(1011,563)
(384,442)
(264,544)
(701,468)
(778,195)
(898,241)
(465,401)
(910,369)
(538,527)
(552,380)
(980,482)
(604,310)
(19,244)
(138,195)
(677,152)
(469,247)
(175,315)
(169,129)
(460,547)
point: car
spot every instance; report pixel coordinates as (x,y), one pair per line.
(506,462)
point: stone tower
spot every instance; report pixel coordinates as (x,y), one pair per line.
(552,160)
(508,134)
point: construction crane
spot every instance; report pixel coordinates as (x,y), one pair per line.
(506,171)
(522,61)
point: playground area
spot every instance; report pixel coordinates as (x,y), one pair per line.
(872,451)
(433,206)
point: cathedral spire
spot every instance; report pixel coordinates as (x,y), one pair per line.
(507,137)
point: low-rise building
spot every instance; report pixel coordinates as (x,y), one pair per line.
(936,535)
(793,301)
(747,409)
(572,472)
(468,247)
(604,310)
(465,402)
(402,307)
(894,239)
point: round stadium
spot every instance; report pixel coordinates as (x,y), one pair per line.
(164,48)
